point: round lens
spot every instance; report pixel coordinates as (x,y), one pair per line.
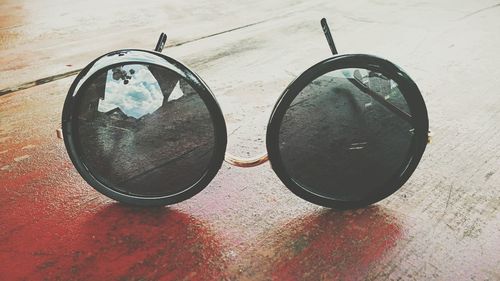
(347,135)
(143,130)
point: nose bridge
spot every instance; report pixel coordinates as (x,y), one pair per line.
(246,162)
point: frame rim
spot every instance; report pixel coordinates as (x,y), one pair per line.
(201,88)
(410,92)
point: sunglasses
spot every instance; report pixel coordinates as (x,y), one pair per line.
(144,129)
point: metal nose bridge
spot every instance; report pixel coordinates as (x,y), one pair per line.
(246,162)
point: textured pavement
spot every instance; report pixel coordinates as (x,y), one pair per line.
(443,224)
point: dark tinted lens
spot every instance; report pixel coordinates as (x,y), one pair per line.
(338,141)
(144,131)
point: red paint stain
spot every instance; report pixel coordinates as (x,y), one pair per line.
(327,246)
(114,242)
(53,226)
(340,248)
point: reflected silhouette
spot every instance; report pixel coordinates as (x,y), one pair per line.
(130,243)
(143,130)
(327,245)
(341,143)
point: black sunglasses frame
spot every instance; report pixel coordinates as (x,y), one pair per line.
(409,89)
(71,141)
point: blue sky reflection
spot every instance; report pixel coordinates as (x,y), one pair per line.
(140,96)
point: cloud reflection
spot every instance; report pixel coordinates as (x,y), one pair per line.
(135,95)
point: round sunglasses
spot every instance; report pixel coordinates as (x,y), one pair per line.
(144,129)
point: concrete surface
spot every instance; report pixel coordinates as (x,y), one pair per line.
(444,224)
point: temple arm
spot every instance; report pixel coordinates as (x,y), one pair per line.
(356,82)
(359,84)
(381,100)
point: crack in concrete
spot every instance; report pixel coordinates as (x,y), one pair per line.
(41,81)
(480,11)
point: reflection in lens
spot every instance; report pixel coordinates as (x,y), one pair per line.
(342,143)
(143,130)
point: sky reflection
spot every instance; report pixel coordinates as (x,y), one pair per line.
(134,90)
